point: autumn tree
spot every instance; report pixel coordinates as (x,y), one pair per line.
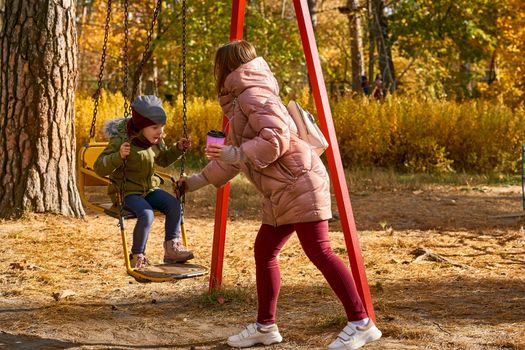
(37,87)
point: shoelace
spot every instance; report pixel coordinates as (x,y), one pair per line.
(142,261)
(180,247)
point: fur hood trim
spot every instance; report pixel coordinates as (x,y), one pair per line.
(115,128)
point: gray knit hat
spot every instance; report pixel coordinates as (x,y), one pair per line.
(149,107)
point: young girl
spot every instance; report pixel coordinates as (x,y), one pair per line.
(142,194)
(295,187)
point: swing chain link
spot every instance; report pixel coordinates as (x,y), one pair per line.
(122,193)
(184,95)
(96,96)
(147,52)
(126,60)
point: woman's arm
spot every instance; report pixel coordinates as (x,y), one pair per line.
(270,120)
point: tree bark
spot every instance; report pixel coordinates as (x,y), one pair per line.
(356,44)
(386,65)
(37,88)
(372,38)
(312,4)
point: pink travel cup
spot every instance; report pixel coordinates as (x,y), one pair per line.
(215,136)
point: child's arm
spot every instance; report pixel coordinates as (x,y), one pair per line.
(110,159)
(167,155)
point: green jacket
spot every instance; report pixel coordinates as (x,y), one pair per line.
(140,166)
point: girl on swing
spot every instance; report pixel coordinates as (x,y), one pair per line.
(295,187)
(145,148)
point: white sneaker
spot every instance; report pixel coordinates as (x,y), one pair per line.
(353,337)
(254,334)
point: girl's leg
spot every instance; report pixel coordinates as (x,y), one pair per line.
(169,206)
(144,213)
(267,246)
(316,244)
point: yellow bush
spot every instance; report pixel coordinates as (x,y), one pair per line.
(401,133)
(429,135)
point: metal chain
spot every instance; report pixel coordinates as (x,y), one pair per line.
(126,107)
(101,72)
(126,60)
(184,93)
(147,53)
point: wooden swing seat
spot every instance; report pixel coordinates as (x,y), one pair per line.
(170,272)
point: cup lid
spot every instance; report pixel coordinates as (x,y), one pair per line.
(216,133)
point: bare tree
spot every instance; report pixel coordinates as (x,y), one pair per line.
(356,35)
(37,87)
(386,65)
(312,8)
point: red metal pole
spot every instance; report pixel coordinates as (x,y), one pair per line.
(334,157)
(221,208)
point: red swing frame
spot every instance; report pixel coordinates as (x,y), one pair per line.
(335,164)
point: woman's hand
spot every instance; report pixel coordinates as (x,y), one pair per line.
(213,151)
(125,149)
(184,144)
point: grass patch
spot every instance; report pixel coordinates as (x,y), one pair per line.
(233,296)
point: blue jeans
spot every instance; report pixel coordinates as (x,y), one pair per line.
(143,208)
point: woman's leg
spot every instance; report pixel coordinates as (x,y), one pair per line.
(144,213)
(316,244)
(169,206)
(267,246)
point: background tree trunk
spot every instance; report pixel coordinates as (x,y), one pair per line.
(372,38)
(386,65)
(356,44)
(312,8)
(37,84)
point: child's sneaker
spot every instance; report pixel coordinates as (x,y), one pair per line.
(353,337)
(176,252)
(254,334)
(138,261)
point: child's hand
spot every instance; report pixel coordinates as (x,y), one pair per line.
(213,151)
(125,149)
(183,144)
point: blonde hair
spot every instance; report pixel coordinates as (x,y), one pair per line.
(229,57)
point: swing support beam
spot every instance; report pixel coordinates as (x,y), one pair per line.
(335,164)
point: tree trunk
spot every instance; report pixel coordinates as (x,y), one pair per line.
(356,44)
(37,84)
(386,65)
(372,38)
(313,13)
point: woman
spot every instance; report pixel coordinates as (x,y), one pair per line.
(295,187)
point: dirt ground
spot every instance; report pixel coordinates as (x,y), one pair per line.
(469,294)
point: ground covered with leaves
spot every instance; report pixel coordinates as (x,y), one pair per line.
(443,271)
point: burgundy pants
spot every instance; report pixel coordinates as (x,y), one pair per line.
(314,240)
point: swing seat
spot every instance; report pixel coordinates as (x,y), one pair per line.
(166,272)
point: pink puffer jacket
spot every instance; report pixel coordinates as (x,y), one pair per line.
(290,176)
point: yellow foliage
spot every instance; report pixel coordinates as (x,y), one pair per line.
(403,133)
